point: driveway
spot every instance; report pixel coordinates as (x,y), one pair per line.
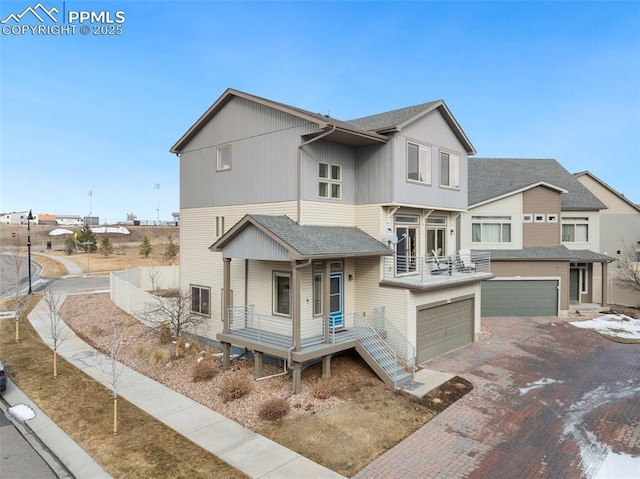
(549,401)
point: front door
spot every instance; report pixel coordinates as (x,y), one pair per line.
(336,314)
(574,285)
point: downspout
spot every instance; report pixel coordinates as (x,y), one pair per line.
(299,170)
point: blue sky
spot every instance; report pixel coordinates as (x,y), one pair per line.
(84,113)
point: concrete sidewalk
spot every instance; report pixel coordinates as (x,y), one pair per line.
(72,267)
(253,454)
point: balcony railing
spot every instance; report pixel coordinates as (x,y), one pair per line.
(437,268)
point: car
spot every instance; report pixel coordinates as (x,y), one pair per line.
(3,378)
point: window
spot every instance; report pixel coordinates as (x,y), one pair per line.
(200,300)
(575,229)
(317,294)
(281,293)
(219,225)
(527,218)
(538,218)
(418,163)
(330,181)
(491,229)
(224,158)
(436,236)
(552,218)
(449,170)
(407,246)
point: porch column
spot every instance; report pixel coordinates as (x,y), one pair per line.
(226,356)
(226,303)
(295,305)
(326,298)
(326,366)
(605,282)
(257,364)
(296,370)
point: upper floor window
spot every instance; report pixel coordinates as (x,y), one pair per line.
(200,300)
(491,229)
(223,158)
(575,229)
(449,170)
(330,181)
(418,163)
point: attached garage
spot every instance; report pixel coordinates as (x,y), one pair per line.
(443,327)
(521,297)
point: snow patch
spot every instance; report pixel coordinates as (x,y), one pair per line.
(538,384)
(614,325)
(22,412)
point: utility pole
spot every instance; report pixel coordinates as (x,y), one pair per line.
(156,186)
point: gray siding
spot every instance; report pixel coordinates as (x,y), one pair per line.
(541,200)
(263,157)
(251,243)
(374,174)
(332,153)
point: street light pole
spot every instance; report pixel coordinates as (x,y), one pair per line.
(156,186)
(29,218)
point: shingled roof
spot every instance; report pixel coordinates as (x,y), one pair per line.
(553,253)
(391,119)
(491,178)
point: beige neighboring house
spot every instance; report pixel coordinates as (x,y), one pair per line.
(302,235)
(46,219)
(619,231)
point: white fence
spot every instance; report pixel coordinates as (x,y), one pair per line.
(129,287)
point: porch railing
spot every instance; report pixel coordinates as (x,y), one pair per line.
(432,267)
(394,338)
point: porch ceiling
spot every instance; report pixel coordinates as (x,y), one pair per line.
(279,238)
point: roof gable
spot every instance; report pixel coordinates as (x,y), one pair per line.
(620,196)
(492,178)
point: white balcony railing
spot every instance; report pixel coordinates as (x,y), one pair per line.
(435,268)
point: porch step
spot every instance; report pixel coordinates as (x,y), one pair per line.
(386,366)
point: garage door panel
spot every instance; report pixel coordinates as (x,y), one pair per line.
(519,298)
(443,328)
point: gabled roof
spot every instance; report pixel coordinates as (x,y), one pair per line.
(324,122)
(553,253)
(395,120)
(598,180)
(306,241)
(493,178)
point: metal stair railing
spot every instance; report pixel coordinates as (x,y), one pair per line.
(395,339)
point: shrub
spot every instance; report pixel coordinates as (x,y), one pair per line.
(322,388)
(273,409)
(165,333)
(159,356)
(204,371)
(234,385)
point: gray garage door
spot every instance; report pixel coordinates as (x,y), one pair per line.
(519,298)
(441,329)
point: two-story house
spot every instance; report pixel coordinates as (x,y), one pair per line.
(541,226)
(619,235)
(302,236)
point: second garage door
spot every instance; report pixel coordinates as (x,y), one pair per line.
(443,328)
(525,297)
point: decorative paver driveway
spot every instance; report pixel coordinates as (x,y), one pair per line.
(549,401)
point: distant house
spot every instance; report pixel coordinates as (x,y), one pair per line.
(69,220)
(15,218)
(619,233)
(46,219)
(542,228)
(302,235)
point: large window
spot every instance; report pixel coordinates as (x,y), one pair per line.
(282,293)
(330,181)
(200,302)
(436,236)
(575,229)
(449,170)
(223,158)
(418,163)
(491,229)
(407,246)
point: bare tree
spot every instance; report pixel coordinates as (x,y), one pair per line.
(56,330)
(176,312)
(154,276)
(629,270)
(17,263)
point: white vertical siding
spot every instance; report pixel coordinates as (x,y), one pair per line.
(511,206)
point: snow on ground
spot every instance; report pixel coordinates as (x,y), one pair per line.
(22,412)
(619,466)
(538,384)
(614,325)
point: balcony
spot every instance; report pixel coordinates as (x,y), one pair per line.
(435,272)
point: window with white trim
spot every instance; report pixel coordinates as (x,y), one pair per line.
(418,163)
(491,229)
(317,290)
(449,170)
(552,218)
(223,158)
(527,218)
(281,293)
(538,218)
(329,181)
(575,229)
(200,300)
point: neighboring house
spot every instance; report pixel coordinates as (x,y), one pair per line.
(542,228)
(302,235)
(46,219)
(619,234)
(15,218)
(69,220)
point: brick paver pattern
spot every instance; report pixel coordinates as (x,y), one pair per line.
(550,401)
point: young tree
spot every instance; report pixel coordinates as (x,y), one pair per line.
(113,367)
(70,245)
(629,270)
(145,247)
(16,265)
(106,248)
(154,276)
(86,239)
(176,312)
(170,251)
(55,328)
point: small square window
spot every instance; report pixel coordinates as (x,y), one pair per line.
(323,170)
(224,158)
(329,184)
(323,190)
(335,191)
(527,218)
(336,172)
(552,218)
(539,218)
